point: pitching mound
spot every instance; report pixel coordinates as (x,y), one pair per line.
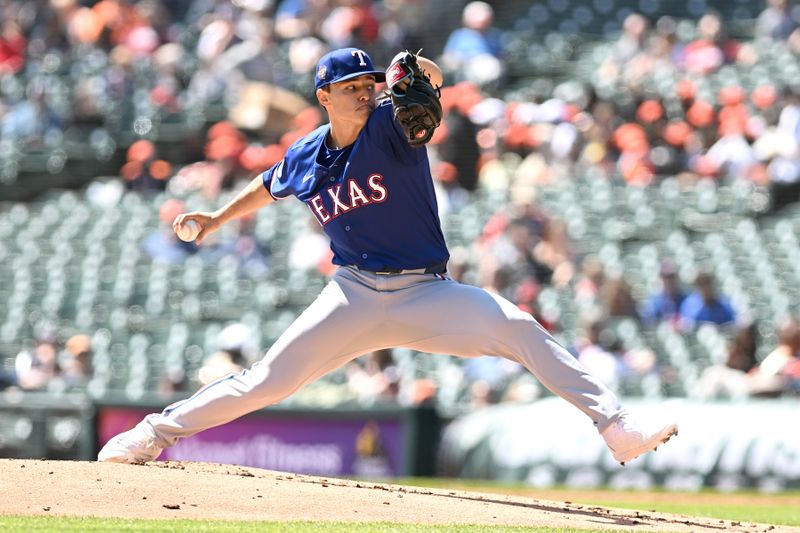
(212,491)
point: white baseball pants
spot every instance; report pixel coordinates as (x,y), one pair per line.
(359,312)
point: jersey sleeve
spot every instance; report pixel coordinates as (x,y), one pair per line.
(387,133)
(276,181)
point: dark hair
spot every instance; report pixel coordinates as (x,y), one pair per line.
(704,278)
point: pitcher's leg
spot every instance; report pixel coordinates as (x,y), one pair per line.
(448,317)
(337,327)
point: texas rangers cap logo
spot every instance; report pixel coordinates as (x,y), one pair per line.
(344,64)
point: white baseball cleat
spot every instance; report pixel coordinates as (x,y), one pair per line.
(627,440)
(135,446)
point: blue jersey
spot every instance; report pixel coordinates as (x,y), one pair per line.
(375,199)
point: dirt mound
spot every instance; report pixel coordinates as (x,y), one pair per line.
(212,491)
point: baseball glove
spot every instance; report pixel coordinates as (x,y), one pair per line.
(414,100)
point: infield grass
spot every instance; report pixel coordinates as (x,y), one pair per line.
(779,509)
(766,514)
(14,524)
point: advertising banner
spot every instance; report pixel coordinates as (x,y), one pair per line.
(320,443)
(752,444)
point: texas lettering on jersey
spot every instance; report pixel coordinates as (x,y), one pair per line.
(347,197)
(375,201)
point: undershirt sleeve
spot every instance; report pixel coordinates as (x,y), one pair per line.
(275,182)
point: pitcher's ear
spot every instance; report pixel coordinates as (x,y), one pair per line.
(324,96)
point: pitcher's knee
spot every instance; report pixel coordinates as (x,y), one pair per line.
(525,334)
(521,325)
(271,389)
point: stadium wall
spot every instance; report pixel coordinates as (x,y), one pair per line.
(728,446)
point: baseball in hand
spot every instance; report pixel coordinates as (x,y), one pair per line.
(188,231)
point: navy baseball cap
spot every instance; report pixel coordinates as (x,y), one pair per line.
(343,64)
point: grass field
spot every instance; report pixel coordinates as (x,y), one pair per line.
(782,510)
(80,525)
(768,514)
(779,509)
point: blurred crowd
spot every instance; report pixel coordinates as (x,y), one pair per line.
(121,65)
(668,99)
(56,364)
(118,65)
(52,365)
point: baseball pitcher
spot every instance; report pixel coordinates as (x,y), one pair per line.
(366,178)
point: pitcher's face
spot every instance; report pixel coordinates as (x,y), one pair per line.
(350,100)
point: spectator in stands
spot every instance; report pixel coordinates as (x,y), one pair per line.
(524,234)
(634,162)
(633,40)
(298,18)
(421,393)
(589,282)
(235,352)
(209,83)
(374,378)
(474,51)
(75,361)
(168,69)
(711,49)
(629,50)
(310,251)
(351,23)
(787,351)
(664,305)
(215,366)
(143,171)
(777,145)
(37,369)
(12,48)
(554,252)
(481,395)
(705,305)
(522,389)
(777,21)
(732,379)
(253,55)
(252,255)
(457,144)
(526,298)
(732,155)
(224,146)
(30,119)
(616,298)
(401,21)
(174,380)
(495,372)
(665,44)
(510,243)
(494,276)
(459,266)
(790,372)
(596,352)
